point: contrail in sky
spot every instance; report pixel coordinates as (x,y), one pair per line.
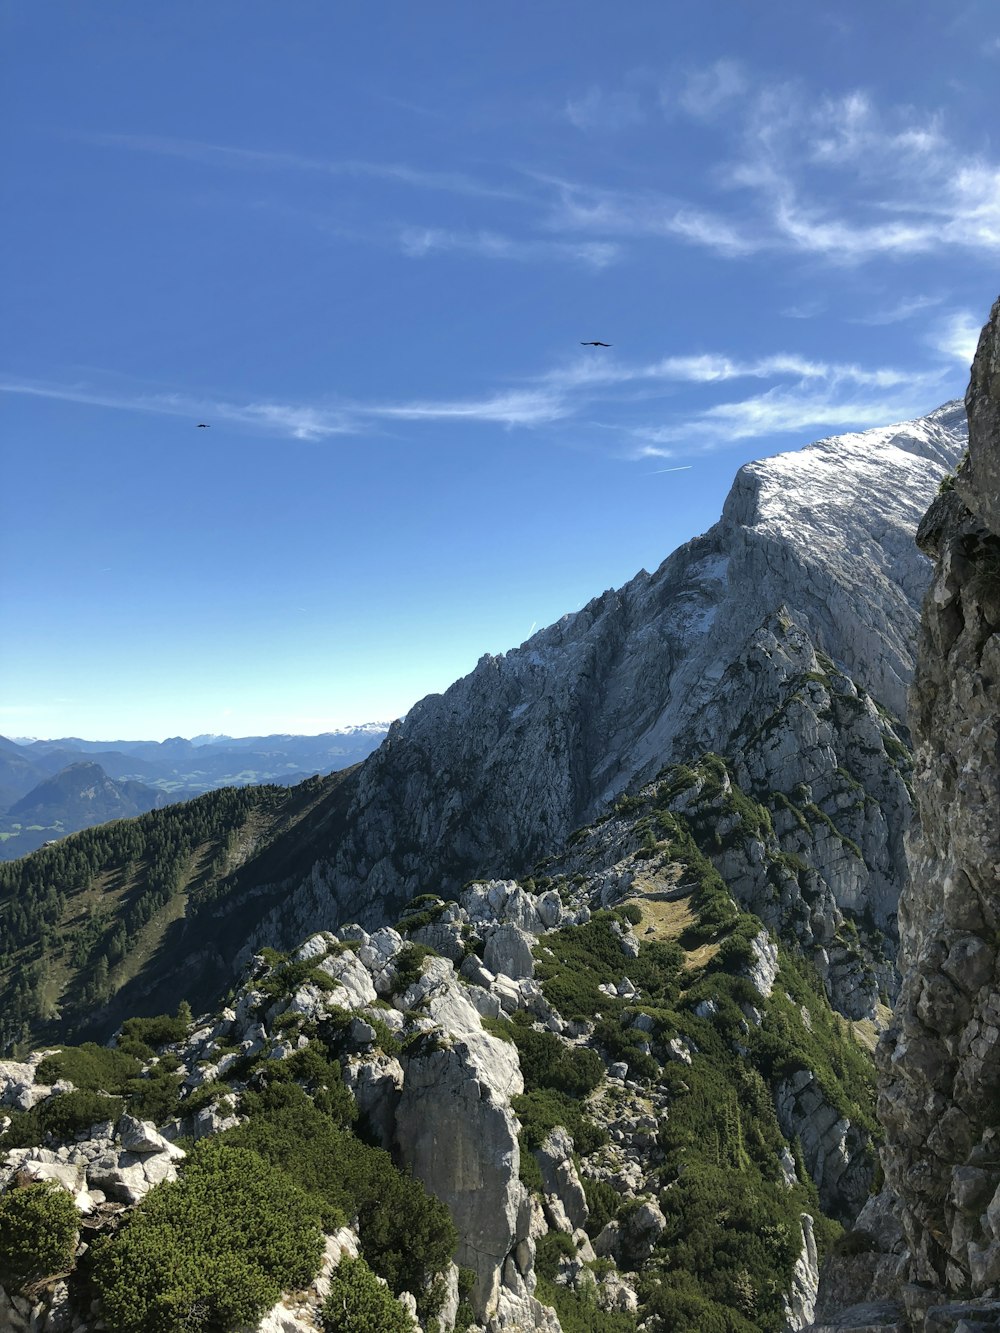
(657,471)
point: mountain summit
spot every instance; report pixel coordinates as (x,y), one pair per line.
(814,551)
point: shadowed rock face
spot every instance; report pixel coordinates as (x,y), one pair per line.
(940,1100)
(496,772)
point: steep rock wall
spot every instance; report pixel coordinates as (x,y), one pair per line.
(940,1101)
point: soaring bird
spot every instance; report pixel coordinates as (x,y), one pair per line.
(203,425)
(594,343)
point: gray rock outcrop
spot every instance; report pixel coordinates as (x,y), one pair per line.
(941,1058)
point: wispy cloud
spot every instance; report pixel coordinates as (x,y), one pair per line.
(801,394)
(599,109)
(798,409)
(617,213)
(703,93)
(297,422)
(420,241)
(224,155)
(716,368)
(523,407)
(958,336)
(899,311)
(842,179)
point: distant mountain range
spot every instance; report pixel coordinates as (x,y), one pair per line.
(49,788)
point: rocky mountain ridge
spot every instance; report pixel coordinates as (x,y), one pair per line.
(575,1067)
(813,546)
(738,645)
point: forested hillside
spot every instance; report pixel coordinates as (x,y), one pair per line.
(86,923)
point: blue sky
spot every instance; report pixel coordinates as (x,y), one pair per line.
(364,244)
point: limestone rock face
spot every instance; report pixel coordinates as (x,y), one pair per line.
(941,1058)
(498,770)
(455,1130)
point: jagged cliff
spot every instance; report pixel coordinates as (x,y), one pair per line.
(941,1058)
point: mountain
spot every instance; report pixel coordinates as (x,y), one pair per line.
(78,796)
(638,1074)
(754,643)
(176,768)
(811,572)
(615,1101)
(208,761)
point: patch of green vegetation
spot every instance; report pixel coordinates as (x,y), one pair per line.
(542,1110)
(604,1204)
(733,1232)
(579,959)
(406,1234)
(38,1234)
(212,1250)
(153,1033)
(784,1044)
(357,1300)
(549,1250)
(579,1313)
(818,816)
(63,1117)
(499,1027)
(314,1070)
(92,1067)
(781,802)
(409,964)
(285,979)
(421,911)
(548,1062)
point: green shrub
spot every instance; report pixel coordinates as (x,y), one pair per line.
(406,1234)
(156,1096)
(578,959)
(321,1076)
(550,1249)
(63,1116)
(92,1067)
(357,1300)
(679,1304)
(283,981)
(465,1316)
(578,1312)
(604,1203)
(499,1027)
(539,1112)
(547,1062)
(161,1030)
(204,1095)
(409,965)
(211,1250)
(624,1043)
(38,1234)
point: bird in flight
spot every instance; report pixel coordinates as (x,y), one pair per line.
(594,343)
(203,425)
